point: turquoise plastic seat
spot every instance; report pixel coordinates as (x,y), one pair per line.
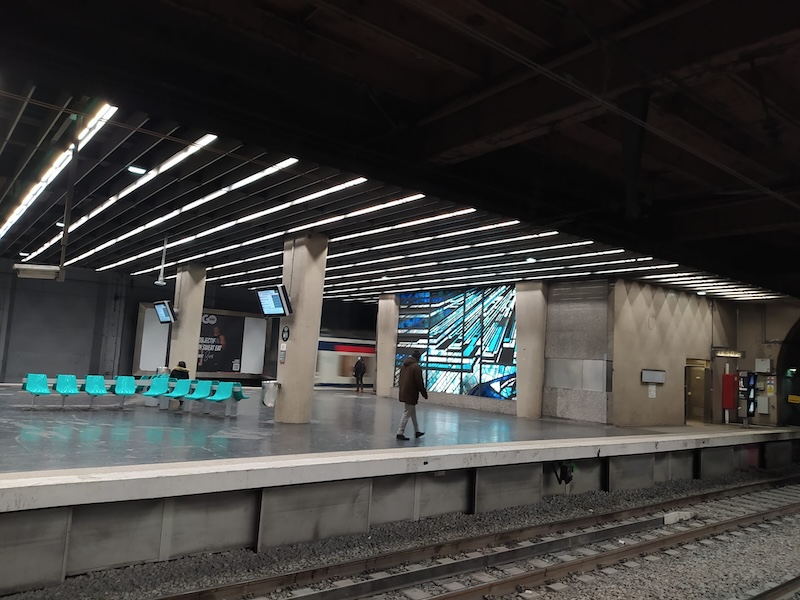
(224,392)
(95,385)
(66,385)
(238,392)
(179,391)
(202,390)
(141,388)
(182,387)
(124,387)
(159,386)
(36,384)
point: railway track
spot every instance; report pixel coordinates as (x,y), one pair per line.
(497,564)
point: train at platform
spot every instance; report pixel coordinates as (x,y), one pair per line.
(336,357)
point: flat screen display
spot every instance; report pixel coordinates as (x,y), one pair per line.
(164,311)
(274,301)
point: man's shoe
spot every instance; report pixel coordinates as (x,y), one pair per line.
(400,436)
(419,434)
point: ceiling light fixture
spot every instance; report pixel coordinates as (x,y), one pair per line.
(97,122)
(208,198)
(149,176)
(137,170)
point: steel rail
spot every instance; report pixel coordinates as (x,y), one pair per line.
(557,572)
(269,584)
(782,591)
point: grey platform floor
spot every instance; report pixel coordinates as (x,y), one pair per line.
(47,437)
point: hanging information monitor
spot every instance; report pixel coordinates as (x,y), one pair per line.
(275,301)
(164,311)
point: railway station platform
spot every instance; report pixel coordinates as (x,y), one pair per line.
(74,482)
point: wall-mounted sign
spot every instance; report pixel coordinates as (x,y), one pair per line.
(653,376)
(728,353)
(794,399)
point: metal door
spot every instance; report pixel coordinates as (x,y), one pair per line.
(696,393)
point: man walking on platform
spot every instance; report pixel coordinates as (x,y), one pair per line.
(411,386)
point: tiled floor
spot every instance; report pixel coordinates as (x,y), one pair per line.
(48,437)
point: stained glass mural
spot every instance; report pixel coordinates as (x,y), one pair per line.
(467,339)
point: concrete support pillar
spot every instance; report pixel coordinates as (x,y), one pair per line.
(531,309)
(386,343)
(190,293)
(304,277)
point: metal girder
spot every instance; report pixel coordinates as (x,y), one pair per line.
(520,23)
(424,39)
(725,129)
(113,140)
(552,60)
(684,165)
(758,215)
(47,126)
(528,108)
(635,102)
(281,32)
(27,95)
(161,193)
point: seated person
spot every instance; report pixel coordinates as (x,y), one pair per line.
(180,372)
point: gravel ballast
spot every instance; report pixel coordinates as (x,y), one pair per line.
(144,581)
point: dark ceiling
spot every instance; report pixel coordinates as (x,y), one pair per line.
(669,128)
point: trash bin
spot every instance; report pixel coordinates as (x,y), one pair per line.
(269,392)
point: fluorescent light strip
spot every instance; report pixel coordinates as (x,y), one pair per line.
(670,275)
(632,269)
(521,238)
(246,218)
(233,263)
(477,229)
(261,280)
(212,196)
(250,272)
(375,208)
(577,256)
(361,264)
(449,215)
(96,123)
(149,176)
(371,290)
(553,247)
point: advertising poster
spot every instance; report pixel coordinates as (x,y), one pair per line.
(220,348)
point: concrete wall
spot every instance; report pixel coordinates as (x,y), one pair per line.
(68,327)
(578,352)
(57,524)
(655,328)
(763,328)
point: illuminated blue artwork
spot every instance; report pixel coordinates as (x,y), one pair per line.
(468,340)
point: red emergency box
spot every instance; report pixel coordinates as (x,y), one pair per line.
(730,390)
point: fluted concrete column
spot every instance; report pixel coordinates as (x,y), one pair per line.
(190,292)
(531,312)
(304,260)
(386,343)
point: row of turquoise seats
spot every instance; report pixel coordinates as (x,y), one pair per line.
(125,385)
(203,388)
(67,385)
